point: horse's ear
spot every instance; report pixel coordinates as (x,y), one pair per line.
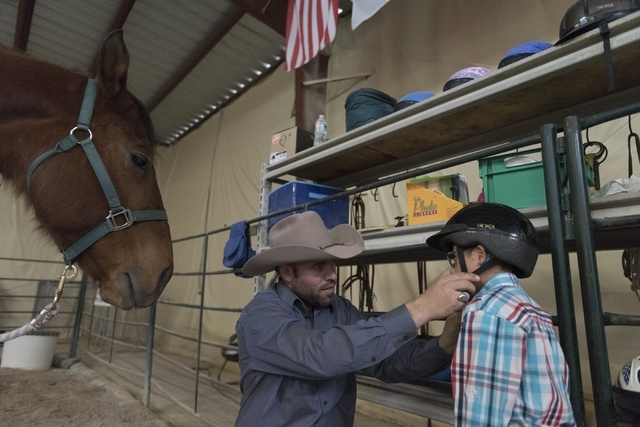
(111,65)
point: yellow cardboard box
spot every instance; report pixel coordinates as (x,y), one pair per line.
(425,205)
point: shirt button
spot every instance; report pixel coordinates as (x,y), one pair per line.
(373,359)
(405,337)
(325,402)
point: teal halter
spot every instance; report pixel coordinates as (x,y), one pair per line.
(116,210)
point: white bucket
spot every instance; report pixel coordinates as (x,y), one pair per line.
(33,351)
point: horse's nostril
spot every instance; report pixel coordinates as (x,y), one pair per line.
(164,278)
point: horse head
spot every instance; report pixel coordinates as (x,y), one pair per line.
(132,265)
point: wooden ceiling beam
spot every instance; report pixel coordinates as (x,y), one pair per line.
(23,24)
(272,13)
(121,15)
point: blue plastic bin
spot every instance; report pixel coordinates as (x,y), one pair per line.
(294,193)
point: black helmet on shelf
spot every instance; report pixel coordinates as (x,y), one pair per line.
(507,235)
(585,15)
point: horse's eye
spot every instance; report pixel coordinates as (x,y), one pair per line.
(139,160)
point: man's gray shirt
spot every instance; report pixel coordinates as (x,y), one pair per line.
(298,368)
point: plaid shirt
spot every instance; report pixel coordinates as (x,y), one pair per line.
(509,369)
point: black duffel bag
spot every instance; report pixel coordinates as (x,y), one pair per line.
(366,105)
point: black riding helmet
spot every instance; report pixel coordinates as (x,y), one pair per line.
(585,15)
(507,235)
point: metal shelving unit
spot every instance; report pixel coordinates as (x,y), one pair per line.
(506,105)
(564,88)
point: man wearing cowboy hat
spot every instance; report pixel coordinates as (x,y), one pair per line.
(300,345)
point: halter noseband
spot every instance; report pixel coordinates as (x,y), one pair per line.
(116,210)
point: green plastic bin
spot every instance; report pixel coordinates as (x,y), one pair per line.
(520,186)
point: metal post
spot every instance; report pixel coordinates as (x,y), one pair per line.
(205,250)
(587,265)
(561,270)
(113,334)
(78,320)
(263,226)
(93,310)
(146,397)
(200,320)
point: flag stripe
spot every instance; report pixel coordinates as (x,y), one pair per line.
(311,25)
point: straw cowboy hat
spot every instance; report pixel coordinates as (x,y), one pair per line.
(301,238)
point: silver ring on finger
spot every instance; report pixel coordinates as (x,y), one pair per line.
(463,297)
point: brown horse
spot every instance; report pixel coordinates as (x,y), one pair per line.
(40,104)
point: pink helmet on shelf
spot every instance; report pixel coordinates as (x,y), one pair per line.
(465,75)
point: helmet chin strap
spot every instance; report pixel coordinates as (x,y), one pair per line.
(486,264)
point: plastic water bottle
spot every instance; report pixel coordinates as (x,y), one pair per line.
(320,131)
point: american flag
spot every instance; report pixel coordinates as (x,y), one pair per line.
(311,25)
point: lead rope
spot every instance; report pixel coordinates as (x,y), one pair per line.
(48,312)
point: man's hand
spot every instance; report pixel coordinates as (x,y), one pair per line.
(449,338)
(441,297)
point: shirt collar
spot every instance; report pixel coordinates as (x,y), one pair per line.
(290,298)
(500,279)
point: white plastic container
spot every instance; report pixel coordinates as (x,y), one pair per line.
(30,352)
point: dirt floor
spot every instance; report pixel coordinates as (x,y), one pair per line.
(91,394)
(68,397)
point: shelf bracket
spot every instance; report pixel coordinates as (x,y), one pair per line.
(337,79)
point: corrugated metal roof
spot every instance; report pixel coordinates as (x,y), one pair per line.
(247,51)
(188,58)
(8,14)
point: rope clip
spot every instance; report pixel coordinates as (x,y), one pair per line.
(64,278)
(45,315)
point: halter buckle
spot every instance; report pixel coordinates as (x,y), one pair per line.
(127,217)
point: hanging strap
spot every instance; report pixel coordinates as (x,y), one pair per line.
(608,59)
(633,137)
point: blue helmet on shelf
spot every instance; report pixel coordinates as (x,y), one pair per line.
(522,51)
(410,99)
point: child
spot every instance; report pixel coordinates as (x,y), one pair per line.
(508,368)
